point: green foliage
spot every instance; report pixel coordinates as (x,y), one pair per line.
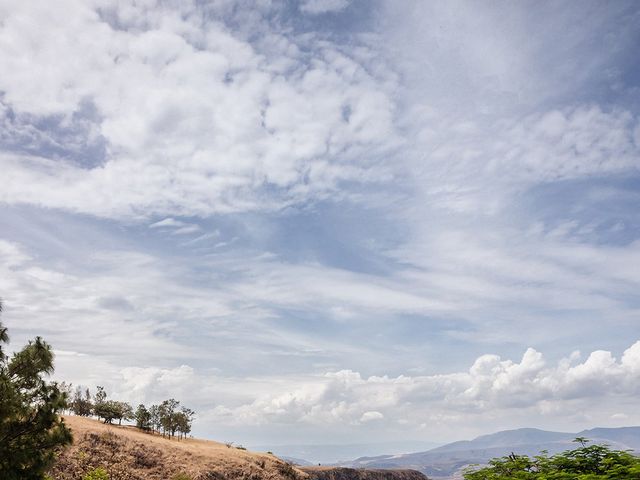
(81,404)
(101,395)
(143,418)
(587,462)
(169,417)
(97,474)
(181,476)
(154,413)
(110,410)
(30,427)
(106,410)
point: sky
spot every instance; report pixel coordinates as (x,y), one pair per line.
(328,221)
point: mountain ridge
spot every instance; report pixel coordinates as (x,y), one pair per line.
(447,460)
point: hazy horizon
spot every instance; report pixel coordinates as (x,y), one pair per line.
(324,220)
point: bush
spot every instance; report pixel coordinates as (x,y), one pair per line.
(97,474)
(181,476)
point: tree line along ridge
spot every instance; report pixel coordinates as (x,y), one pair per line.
(168,418)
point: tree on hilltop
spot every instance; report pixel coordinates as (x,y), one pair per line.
(143,418)
(30,426)
(168,418)
(81,404)
(110,410)
(154,413)
(124,411)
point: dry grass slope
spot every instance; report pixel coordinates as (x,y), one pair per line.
(129,454)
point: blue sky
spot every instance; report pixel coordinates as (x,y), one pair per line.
(329,221)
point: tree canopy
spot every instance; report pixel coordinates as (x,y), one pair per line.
(587,462)
(30,426)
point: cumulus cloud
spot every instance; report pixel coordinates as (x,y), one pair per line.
(195,120)
(495,389)
(151,384)
(489,386)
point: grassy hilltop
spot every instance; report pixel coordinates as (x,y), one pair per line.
(101,451)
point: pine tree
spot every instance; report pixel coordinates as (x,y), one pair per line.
(30,428)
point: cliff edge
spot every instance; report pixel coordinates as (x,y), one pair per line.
(344,473)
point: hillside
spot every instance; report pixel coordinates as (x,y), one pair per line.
(127,453)
(445,461)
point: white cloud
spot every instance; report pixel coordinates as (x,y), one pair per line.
(371,416)
(186,230)
(492,394)
(466,165)
(67,353)
(152,384)
(491,386)
(195,120)
(11,255)
(178,227)
(167,222)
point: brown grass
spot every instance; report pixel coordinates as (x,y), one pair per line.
(127,453)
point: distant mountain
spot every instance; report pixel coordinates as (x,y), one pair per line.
(629,436)
(333,454)
(521,436)
(445,461)
(297,461)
